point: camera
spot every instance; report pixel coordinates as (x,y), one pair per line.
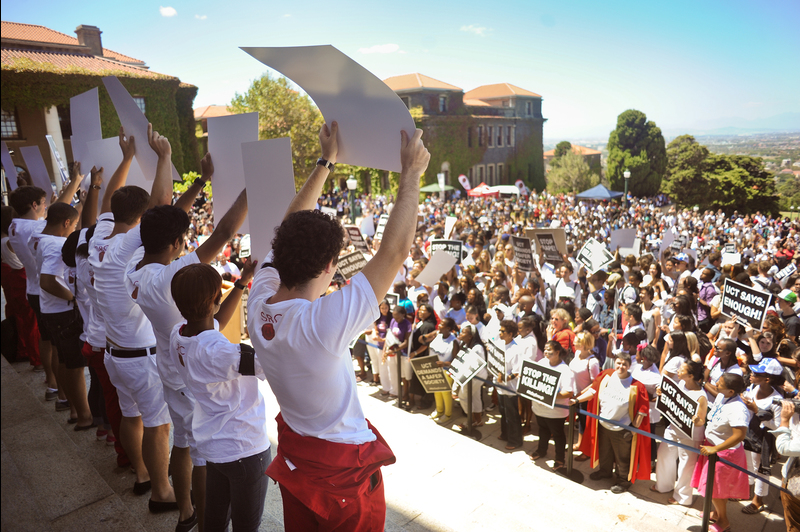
(795,402)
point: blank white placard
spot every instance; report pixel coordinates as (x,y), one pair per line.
(623,238)
(107,154)
(8,166)
(440,263)
(226,134)
(449,224)
(369,113)
(269,176)
(84,115)
(135,124)
(37,170)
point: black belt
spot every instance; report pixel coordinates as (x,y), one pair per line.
(131,353)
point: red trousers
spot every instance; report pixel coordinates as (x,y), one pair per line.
(17,307)
(368,514)
(95,359)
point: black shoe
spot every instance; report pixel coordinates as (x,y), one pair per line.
(157,507)
(620,487)
(188,524)
(140,488)
(599,475)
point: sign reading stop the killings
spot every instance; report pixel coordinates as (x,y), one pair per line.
(539,383)
(453,247)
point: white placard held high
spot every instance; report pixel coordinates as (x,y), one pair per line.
(369,113)
(84,116)
(269,176)
(622,238)
(135,124)
(440,263)
(226,134)
(37,170)
(449,224)
(63,171)
(8,166)
(107,154)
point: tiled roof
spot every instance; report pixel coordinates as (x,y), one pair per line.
(498,90)
(476,103)
(417,81)
(210,111)
(62,61)
(35,33)
(583,150)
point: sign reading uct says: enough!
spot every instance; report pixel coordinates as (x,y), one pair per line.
(747,304)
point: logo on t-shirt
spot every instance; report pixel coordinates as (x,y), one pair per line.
(135,292)
(181,351)
(268,331)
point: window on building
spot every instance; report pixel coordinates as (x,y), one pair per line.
(469,137)
(509,136)
(140,103)
(499,136)
(529,108)
(500,173)
(442,104)
(480,174)
(480,135)
(490,136)
(64,121)
(10,125)
(407,101)
(490,174)
(470,173)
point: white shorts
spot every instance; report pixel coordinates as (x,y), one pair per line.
(406,368)
(181,410)
(139,388)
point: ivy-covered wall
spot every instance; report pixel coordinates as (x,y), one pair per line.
(528,160)
(446,140)
(30,85)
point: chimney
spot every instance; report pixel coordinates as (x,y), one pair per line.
(90,36)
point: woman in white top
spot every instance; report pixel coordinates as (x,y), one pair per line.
(443,345)
(470,342)
(678,353)
(585,368)
(765,381)
(675,466)
(551,420)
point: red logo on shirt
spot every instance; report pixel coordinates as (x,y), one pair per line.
(268,331)
(181,352)
(36,245)
(102,254)
(135,293)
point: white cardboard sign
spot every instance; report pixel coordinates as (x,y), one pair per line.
(84,115)
(269,176)
(441,262)
(37,170)
(107,154)
(449,224)
(226,134)
(135,124)
(622,238)
(369,113)
(8,166)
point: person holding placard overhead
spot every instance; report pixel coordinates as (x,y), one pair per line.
(329,456)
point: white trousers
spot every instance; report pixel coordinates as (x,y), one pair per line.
(375,355)
(389,377)
(675,466)
(753,463)
(477,405)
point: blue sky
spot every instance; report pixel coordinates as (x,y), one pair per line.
(686,64)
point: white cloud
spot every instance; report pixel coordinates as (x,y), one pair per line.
(287,15)
(167,11)
(480,31)
(201,17)
(380,49)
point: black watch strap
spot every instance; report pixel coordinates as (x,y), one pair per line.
(326,163)
(238,285)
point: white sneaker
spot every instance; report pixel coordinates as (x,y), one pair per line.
(444,420)
(437,415)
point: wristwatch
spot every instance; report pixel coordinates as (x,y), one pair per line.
(239,286)
(326,163)
(201,180)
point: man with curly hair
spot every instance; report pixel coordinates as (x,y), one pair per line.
(329,456)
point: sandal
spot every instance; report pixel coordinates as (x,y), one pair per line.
(672,501)
(752,509)
(582,458)
(558,465)
(711,517)
(535,456)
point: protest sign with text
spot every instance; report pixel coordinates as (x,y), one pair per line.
(495,358)
(381,226)
(430,375)
(392,299)
(558,234)
(356,238)
(465,366)
(548,248)
(676,406)
(351,264)
(786,272)
(539,383)
(453,247)
(523,253)
(747,304)
(594,256)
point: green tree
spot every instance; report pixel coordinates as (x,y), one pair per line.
(684,179)
(788,191)
(636,145)
(562,148)
(739,182)
(569,173)
(284,112)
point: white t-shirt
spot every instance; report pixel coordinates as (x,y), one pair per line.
(230,268)
(672,366)
(530,348)
(19,233)
(566,384)
(443,347)
(614,401)
(717,371)
(584,370)
(513,365)
(151,285)
(230,414)
(126,324)
(651,379)
(9,257)
(93,326)
(48,258)
(723,415)
(302,346)
(766,404)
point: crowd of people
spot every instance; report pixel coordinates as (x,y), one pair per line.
(129,285)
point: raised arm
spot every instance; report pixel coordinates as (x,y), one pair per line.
(226,310)
(402,224)
(120,175)
(161,192)
(68,192)
(89,214)
(225,230)
(306,199)
(186,201)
